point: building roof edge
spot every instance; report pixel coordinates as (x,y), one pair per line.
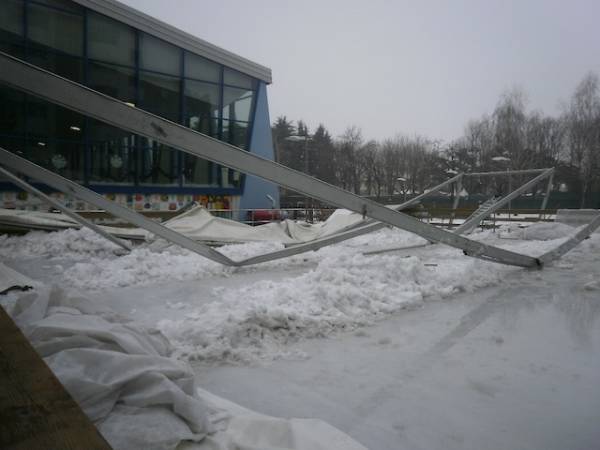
(169,33)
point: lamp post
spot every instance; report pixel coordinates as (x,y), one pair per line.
(305,138)
(403,181)
(504,159)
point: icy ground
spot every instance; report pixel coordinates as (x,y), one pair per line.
(425,348)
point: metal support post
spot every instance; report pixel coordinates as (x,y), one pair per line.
(66,211)
(470,224)
(547,196)
(457,191)
(61,184)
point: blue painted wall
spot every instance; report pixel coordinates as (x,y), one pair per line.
(261,143)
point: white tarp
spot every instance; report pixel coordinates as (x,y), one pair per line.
(36,219)
(199,224)
(139,398)
(11,279)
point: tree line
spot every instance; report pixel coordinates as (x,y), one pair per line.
(509,137)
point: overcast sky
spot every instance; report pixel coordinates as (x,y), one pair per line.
(388,67)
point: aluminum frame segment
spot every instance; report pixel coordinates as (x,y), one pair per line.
(370,225)
(51,87)
(572,242)
(59,183)
(504,172)
(366,227)
(547,196)
(470,224)
(66,211)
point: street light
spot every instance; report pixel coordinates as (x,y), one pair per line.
(504,159)
(304,138)
(403,181)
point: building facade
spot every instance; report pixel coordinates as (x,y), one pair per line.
(125,54)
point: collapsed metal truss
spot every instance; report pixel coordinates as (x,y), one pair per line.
(66,211)
(53,88)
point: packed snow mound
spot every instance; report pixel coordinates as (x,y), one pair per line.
(147,265)
(122,377)
(344,291)
(72,243)
(545,231)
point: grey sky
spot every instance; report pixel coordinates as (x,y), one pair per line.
(419,67)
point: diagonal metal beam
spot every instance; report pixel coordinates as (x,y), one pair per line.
(504,172)
(61,184)
(572,242)
(370,225)
(468,226)
(66,211)
(51,87)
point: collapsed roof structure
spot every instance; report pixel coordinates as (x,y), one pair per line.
(53,88)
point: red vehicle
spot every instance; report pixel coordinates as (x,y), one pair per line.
(262,216)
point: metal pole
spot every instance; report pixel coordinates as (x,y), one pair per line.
(509,189)
(66,211)
(306,198)
(468,226)
(547,196)
(457,191)
(67,186)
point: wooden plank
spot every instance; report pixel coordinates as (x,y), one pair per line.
(36,412)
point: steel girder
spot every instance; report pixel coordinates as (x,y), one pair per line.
(468,226)
(51,87)
(67,211)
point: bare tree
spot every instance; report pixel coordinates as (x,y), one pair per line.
(583,135)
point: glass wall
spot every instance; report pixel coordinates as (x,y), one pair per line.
(135,67)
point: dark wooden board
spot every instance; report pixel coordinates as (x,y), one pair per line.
(36,412)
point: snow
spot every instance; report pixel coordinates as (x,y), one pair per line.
(72,243)
(338,288)
(288,319)
(544,231)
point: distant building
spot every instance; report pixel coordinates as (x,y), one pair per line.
(128,55)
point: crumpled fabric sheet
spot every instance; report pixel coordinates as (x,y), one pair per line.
(118,372)
(121,375)
(199,224)
(10,279)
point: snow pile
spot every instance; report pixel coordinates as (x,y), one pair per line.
(346,290)
(158,263)
(544,231)
(71,243)
(147,265)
